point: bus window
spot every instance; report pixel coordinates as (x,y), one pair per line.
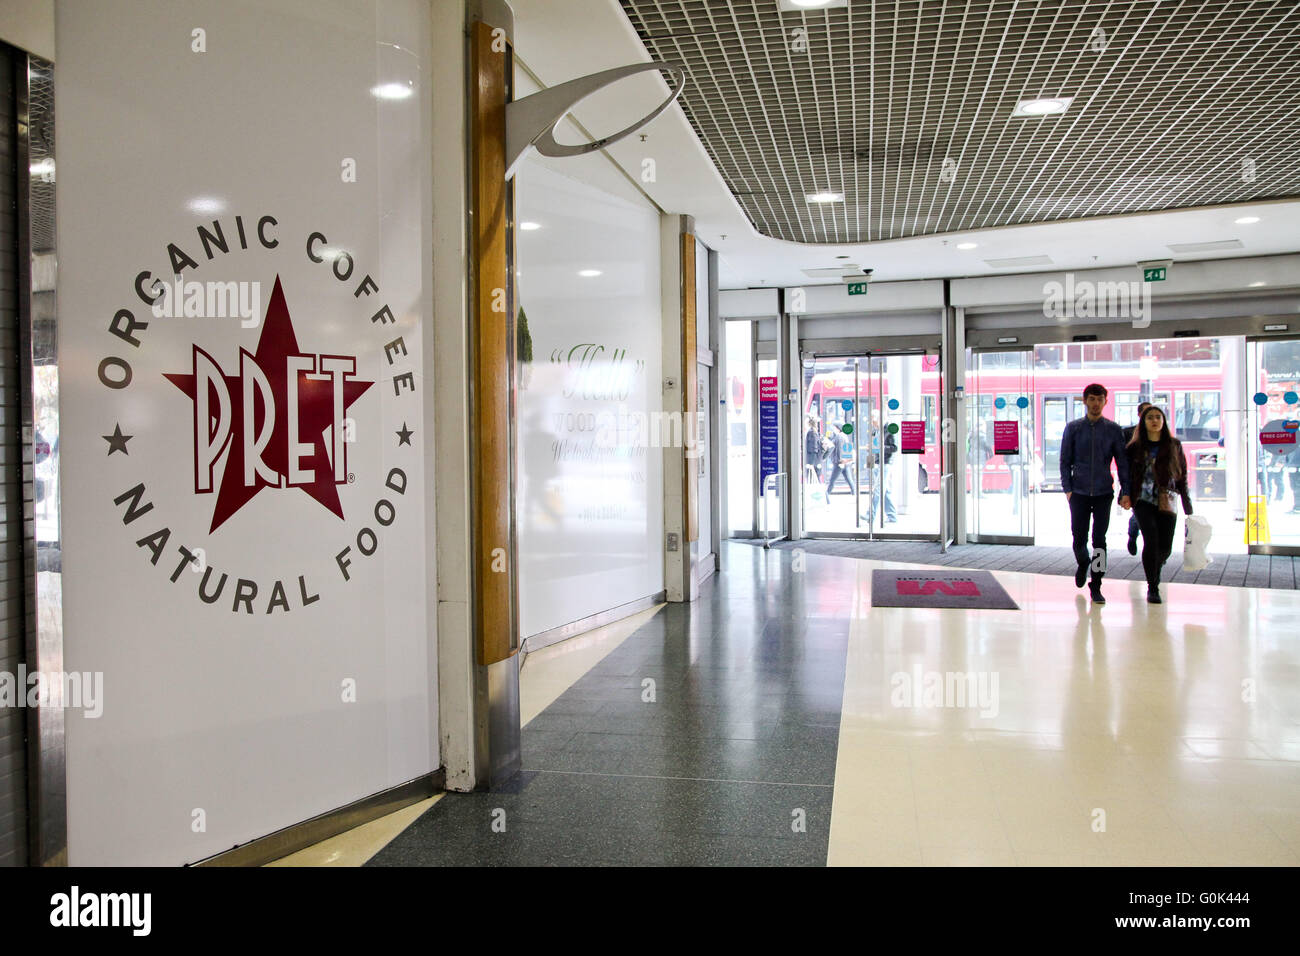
(1126,405)
(1197,416)
(1126,408)
(1048,356)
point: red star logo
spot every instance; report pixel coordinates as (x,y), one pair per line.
(316,405)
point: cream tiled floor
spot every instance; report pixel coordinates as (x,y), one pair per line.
(359,844)
(1120,736)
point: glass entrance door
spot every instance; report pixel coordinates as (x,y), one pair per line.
(872,455)
(1273,455)
(1003,468)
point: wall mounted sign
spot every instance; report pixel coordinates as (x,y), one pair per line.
(769,405)
(244,393)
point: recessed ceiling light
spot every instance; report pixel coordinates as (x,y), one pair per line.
(206,205)
(798,6)
(968,245)
(1043,107)
(589,273)
(1256,285)
(825,197)
(393,91)
(1246,220)
(530,226)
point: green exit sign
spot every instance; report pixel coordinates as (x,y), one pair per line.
(857,288)
(1154,275)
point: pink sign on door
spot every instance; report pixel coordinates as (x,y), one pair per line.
(1006,438)
(912,438)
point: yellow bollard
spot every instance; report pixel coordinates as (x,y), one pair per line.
(1257,519)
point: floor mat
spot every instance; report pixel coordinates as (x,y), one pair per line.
(942,589)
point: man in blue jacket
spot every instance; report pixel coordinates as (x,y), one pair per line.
(1088,447)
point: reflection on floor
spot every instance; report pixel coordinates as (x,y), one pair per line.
(1234,570)
(999,513)
(783,720)
(1130,734)
(707,737)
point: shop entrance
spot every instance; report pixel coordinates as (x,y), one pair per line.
(871,445)
(1030,393)
(1273,501)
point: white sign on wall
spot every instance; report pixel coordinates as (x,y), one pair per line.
(243,292)
(590,501)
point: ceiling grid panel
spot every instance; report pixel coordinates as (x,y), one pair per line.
(1162,116)
(1096,103)
(1181,117)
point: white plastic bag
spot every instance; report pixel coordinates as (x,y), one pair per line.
(1196,543)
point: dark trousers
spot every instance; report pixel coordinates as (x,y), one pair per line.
(1085,510)
(1157,538)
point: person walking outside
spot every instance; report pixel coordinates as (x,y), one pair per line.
(1088,446)
(1158,471)
(812,447)
(841,460)
(1129,431)
(881,487)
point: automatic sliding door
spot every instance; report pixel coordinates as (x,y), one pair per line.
(872,445)
(1273,485)
(1004,469)
(832,474)
(903,497)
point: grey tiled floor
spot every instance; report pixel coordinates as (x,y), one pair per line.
(739,742)
(1235,570)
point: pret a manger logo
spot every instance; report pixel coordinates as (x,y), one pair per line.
(278,422)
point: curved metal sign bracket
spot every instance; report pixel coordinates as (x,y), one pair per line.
(531,121)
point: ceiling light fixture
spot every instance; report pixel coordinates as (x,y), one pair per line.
(825,197)
(1246,220)
(1054,106)
(968,245)
(393,91)
(530,226)
(205,205)
(800,6)
(589,273)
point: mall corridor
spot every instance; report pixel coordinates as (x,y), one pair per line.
(776,735)
(648,434)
